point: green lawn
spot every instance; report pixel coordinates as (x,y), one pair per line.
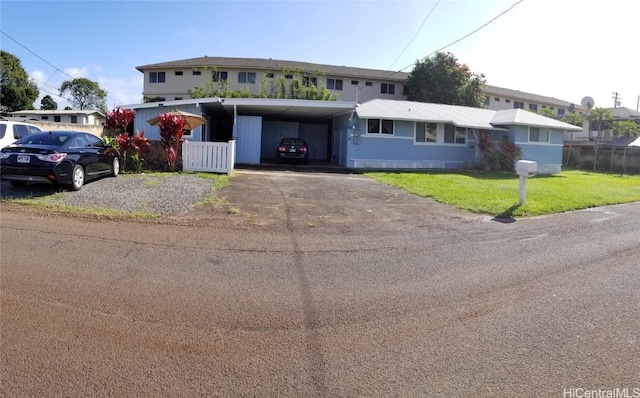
(497,194)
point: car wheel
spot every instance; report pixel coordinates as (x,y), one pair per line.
(77,177)
(115,166)
(18,183)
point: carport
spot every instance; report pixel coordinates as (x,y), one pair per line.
(258,125)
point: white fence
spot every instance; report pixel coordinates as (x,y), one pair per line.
(215,157)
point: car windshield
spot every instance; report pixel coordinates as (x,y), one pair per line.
(293,141)
(44,139)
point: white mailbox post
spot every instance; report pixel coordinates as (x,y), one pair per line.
(525,169)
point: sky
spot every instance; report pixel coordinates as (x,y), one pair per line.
(567,49)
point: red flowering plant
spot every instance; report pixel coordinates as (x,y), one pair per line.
(117,122)
(171,130)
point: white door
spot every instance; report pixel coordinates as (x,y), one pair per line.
(248,137)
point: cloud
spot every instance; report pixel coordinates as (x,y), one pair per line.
(77,72)
(121,91)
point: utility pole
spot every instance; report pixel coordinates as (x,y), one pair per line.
(615,99)
(638,104)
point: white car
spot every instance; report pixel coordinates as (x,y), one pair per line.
(11,130)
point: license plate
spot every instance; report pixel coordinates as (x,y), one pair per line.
(24,158)
(292,150)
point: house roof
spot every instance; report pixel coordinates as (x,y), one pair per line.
(459,115)
(620,112)
(56,112)
(277,65)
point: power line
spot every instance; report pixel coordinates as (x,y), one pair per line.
(50,64)
(416,35)
(465,36)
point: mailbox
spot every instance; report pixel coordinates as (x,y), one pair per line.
(526,168)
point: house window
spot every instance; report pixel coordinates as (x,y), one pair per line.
(178,73)
(518,105)
(45,117)
(354,82)
(74,119)
(217,76)
(197,73)
(156,77)
(387,88)
(56,118)
(487,100)
(497,99)
(426,132)
(533,107)
(269,75)
(454,135)
(560,112)
(378,126)
(537,134)
(368,84)
(334,84)
(308,81)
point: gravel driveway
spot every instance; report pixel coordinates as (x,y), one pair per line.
(160,194)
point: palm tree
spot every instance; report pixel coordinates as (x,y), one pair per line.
(629,129)
(601,118)
(577,120)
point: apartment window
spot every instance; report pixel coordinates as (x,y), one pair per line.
(269,75)
(454,135)
(197,73)
(334,84)
(288,76)
(387,88)
(354,82)
(379,126)
(177,98)
(533,107)
(543,106)
(218,75)
(45,117)
(74,119)
(368,84)
(308,81)
(560,112)
(56,119)
(426,132)
(518,105)
(156,77)
(487,100)
(497,99)
(178,73)
(537,134)
(508,101)
(246,77)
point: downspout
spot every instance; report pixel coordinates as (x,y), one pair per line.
(235,122)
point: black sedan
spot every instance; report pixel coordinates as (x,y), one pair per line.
(294,149)
(58,157)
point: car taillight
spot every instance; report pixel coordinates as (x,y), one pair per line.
(303,149)
(282,149)
(53,157)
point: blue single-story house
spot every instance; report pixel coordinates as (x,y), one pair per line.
(377,134)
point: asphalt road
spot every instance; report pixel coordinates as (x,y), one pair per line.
(320,285)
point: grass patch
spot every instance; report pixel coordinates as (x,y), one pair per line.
(221,181)
(45,204)
(497,194)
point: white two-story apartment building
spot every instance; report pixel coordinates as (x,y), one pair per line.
(84,117)
(170,81)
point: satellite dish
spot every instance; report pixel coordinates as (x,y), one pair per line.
(588,102)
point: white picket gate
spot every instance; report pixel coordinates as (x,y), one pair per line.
(215,157)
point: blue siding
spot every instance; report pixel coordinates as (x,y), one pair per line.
(341,136)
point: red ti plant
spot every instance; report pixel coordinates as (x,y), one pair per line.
(141,145)
(117,122)
(171,130)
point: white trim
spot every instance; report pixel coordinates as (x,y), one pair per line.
(386,136)
(536,143)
